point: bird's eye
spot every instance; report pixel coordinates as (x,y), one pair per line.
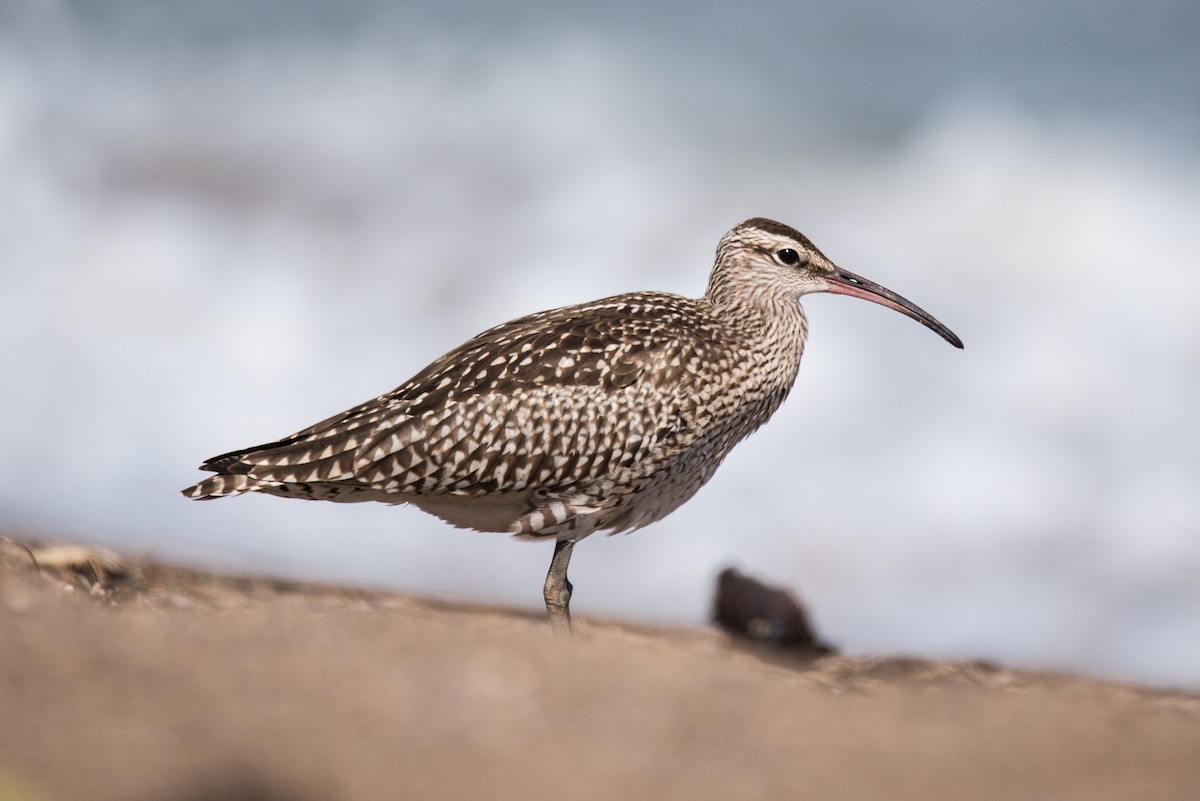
(788,256)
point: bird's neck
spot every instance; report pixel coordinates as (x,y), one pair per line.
(767,327)
(768,321)
(765,341)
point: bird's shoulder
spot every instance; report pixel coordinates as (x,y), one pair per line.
(613,342)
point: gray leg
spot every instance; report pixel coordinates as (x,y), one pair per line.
(557,591)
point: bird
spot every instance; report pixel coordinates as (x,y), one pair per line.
(602,416)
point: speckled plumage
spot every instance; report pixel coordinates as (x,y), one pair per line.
(604,416)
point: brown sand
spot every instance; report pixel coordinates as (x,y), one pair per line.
(172,684)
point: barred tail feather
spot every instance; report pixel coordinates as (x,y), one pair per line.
(221,486)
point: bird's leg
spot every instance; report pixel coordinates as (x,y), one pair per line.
(557,591)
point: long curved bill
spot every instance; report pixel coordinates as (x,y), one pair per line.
(843,282)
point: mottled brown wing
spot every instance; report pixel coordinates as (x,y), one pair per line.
(537,403)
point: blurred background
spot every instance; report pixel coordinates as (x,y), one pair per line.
(221,222)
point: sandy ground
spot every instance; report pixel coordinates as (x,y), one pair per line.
(171,684)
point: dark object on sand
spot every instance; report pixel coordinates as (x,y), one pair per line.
(748,608)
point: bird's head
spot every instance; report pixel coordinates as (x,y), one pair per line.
(766,263)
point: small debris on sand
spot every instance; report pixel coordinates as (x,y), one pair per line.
(745,607)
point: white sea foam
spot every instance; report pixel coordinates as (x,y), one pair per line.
(196,265)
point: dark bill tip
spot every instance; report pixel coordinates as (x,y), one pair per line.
(843,282)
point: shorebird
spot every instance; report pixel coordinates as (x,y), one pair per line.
(605,416)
